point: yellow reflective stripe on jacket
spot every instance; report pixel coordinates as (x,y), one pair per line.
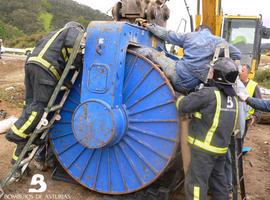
(39,58)
(236,114)
(197,115)
(251,87)
(65,54)
(20,132)
(212,130)
(69,50)
(209,135)
(196,193)
(14,157)
(207,147)
(17,132)
(48,44)
(29,121)
(178,101)
(46,64)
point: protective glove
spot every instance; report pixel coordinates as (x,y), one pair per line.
(240,89)
(243,95)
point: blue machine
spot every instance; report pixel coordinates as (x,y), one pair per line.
(118,128)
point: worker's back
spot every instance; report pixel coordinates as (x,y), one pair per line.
(54,49)
(214,121)
(199,48)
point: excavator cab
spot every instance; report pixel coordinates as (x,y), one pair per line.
(245,33)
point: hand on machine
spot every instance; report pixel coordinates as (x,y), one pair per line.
(142,22)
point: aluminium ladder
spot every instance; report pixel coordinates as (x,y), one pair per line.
(53,109)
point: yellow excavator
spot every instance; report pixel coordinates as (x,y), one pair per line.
(244,32)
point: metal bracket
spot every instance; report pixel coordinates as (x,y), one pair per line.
(220,46)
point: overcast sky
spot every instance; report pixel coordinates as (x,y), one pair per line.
(178,10)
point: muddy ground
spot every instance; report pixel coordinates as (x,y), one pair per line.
(256,162)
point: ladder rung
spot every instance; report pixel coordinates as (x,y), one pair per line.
(239,155)
(56,107)
(72,67)
(63,88)
(44,128)
(241,179)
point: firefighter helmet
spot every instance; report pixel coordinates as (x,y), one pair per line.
(225,71)
(74,24)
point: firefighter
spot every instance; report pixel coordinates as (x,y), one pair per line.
(214,109)
(199,48)
(253,91)
(43,69)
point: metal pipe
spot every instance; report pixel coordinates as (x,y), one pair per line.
(198,7)
(190,17)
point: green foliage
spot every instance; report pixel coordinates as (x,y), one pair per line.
(263,77)
(47,5)
(26,17)
(24,41)
(9,32)
(83,21)
(46,19)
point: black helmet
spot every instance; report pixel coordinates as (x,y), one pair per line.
(74,24)
(225,71)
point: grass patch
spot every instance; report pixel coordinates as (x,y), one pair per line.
(46,19)
(263,78)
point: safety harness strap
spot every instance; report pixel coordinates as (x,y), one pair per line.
(220,46)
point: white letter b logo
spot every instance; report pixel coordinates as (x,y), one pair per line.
(38,179)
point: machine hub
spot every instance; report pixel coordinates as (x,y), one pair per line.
(93,124)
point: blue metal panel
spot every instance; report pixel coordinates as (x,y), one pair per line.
(118,130)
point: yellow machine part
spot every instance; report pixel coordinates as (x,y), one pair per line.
(212,15)
(253,69)
(180,52)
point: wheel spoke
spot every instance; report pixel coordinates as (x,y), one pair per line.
(145,96)
(147,146)
(151,134)
(151,108)
(141,157)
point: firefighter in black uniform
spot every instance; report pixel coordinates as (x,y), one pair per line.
(43,69)
(214,109)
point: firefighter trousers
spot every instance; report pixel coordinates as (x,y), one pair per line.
(184,83)
(39,86)
(205,171)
